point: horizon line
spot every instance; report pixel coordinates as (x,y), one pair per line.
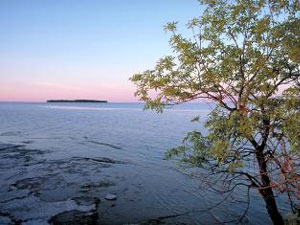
(133,102)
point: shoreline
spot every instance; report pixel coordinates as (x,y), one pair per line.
(76,101)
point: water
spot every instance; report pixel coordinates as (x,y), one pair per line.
(66,137)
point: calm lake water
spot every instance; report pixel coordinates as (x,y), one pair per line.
(147,186)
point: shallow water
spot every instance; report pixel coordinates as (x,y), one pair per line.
(65,152)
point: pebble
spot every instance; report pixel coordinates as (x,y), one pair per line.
(110,197)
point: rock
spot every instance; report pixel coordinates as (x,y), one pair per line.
(111,197)
(8,219)
(131,224)
(85,188)
(11,133)
(5,220)
(99,160)
(86,201)
(27,142)
(35,222)
(74,217)
(9,146)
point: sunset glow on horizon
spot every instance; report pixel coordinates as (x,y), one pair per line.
(82,49)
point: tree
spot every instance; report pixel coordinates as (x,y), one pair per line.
(243,55)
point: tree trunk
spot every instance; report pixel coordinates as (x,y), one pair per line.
(272,207)
(266,190)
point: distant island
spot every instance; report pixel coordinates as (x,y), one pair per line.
(77,101)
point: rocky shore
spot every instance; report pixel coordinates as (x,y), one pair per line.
(34,190)
(38,190)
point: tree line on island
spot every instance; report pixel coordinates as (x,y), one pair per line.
(77,101)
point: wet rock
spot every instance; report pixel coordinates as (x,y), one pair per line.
(36,189)
(86,201)
(8,219)
(74,217)
(11,133)
(131,224)
(12,195)
(8,146)
(5,220)
(106,144)
(99,160)
(111,197)
(85,188)
(32,184)
(58,193)
(103,143)
(33,209)
(27,142)
(35,222)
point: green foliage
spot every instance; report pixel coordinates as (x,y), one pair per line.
(240,55)
(196,154)
(245,57)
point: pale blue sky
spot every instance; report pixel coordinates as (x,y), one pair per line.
(88,49)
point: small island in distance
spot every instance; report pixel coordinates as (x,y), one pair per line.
(77,101)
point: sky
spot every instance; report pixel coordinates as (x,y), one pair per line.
(68,49)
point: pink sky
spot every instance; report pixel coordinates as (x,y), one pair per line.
(83,49)
(38,92)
